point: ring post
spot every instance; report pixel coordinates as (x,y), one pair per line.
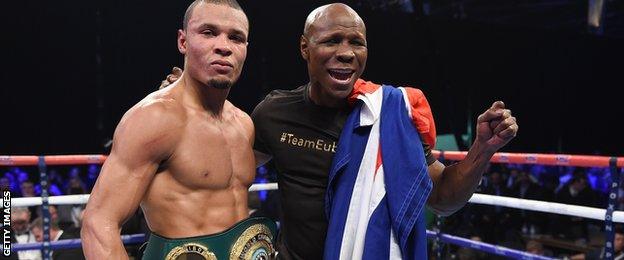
(439,223)
(609,229)
(45,210)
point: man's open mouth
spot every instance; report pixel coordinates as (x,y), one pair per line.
(341,74)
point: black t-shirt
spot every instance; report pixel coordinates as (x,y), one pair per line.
(302,138)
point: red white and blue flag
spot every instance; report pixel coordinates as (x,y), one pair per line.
(379,184)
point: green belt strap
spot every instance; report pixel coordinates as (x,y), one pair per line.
(249,239)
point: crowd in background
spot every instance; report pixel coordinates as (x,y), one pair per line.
(524,229)
(24,182)
(508,227)
(27,222)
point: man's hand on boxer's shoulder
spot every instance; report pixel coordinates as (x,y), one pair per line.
(175,74)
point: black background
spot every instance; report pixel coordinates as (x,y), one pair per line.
(72,68)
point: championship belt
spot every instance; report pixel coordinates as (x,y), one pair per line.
(255,243)
(250,239)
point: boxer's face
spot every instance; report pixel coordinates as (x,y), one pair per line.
(214,44)
(335,50)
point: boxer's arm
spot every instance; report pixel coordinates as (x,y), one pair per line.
(455,184)
(142,140)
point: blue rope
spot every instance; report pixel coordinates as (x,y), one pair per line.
(485,247)
(463,242)
(74,243)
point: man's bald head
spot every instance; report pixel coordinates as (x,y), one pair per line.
(334,46)
(331,11)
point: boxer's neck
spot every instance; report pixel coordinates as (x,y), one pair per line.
(209,98)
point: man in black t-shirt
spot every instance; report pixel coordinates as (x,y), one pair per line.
(299,129)
(301,137)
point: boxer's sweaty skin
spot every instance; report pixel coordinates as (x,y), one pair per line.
(202,187)
(189,170)
(184,153)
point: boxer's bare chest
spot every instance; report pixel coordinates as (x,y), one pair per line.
(213,154)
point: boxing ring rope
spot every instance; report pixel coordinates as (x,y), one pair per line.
(485,247)
(548,207)
(75,243)
(477,198)
(608,215)
(30,160)
(83,198)
(139,238)
(536,158)
(523,158)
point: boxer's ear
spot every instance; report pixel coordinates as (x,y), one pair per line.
(303,46)
(182,41)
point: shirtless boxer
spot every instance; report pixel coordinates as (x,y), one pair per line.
(184,154)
